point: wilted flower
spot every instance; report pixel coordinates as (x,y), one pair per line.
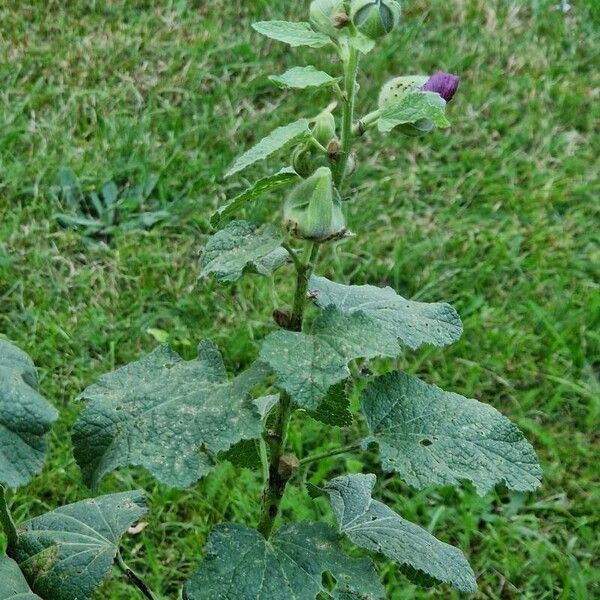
(445,84)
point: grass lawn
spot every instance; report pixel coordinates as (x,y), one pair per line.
(499,215)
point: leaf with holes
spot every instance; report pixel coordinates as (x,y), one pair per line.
(432,437)
(13,585)
(170,416)
(243,246)
(278,140)
(376,527)
(266,184)
(240,563)
(294,34)
(413,108)
(65,554)
(304,77)
(412,323)
(25,418)
(307,365)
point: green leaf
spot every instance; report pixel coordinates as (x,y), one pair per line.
(240,246)
(294,34)
(65,554)
(376,527)
(240,563)
(170,416)
(304,77)
(361,42)
(412,108)
(266,184)
(13,585)
(25,418)
(334,410)
(307,365)
(412,323)
(279,139)
(432,437)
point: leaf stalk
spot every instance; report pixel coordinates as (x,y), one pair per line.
(135,579)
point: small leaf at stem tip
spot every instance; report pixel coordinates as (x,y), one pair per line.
(292,33)
(242,246)
(432,437)
(167,415)
(304,77)
(26,418)
(241,563)
(266,184)
(374,526)
(278,140)
(413,324)
(66,553)
(414,108)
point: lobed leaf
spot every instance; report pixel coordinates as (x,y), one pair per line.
(413,108)
(241,246)
(292,33)
(266,184)
(65,554)
(25,418)
(13,585)
(432,437)
(376,527)
(279,139)
(307,365)
(412,323)
(167,415)
(304,77)
(240,563)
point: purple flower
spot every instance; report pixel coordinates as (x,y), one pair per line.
(443,83)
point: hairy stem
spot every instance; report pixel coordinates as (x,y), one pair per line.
(316,457)
(278,473)
(351,69)
(6,520)
(135,579)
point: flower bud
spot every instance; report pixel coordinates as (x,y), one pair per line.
(328,16)
(313,210)
(375,18)
(324,129)
(306,160)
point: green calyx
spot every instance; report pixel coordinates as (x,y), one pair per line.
(313,210)
(396,89)
(324,129)
(375,18)
(328,16)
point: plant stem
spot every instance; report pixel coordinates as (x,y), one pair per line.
(351,68)
(316,457)
(6,520)
(278,477)
(135,579)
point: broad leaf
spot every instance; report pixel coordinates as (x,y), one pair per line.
(412,108)
(240,563)
(361,42)
(25,418)
(294,34)
(307,365)
(304,77)
(13,585)
(279,139)
(65,554)
(167,415)
(334,410)
(432,437)
(374,526)
(241,246)
(412,323)
(266,184)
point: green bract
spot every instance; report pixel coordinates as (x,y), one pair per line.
(375,18)
(178,419)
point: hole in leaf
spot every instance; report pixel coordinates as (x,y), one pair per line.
(328,581)
(426,442)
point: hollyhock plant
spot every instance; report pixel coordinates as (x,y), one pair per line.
(444,84)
